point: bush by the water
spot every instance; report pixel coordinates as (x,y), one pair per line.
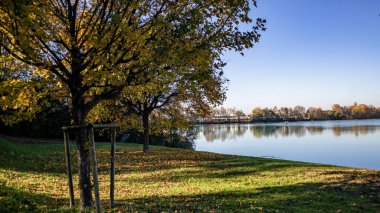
(176,138)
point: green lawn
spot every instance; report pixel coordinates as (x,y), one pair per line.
(33,178)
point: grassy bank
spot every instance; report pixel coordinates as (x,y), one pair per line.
(32,178)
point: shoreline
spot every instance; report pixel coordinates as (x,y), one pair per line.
(289,121)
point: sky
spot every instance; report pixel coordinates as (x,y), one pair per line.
(313,53)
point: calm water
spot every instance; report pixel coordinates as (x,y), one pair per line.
(345,143)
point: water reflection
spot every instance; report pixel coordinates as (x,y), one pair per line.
(235,131)
(345,143)
(222,132)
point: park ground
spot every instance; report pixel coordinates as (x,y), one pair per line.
(33,178)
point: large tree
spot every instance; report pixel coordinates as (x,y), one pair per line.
(89,50)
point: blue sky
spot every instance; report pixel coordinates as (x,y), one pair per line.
(314,53)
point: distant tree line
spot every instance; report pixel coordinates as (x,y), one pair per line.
(300,113)
(297,113)
(227,112)
(224,115)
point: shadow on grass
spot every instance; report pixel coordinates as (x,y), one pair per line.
(362,183)
(216,166)
(16,200)
(307,197)
(32,158)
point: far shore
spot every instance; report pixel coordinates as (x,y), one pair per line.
(279,121)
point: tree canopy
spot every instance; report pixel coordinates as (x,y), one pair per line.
(87,51)
(92,49)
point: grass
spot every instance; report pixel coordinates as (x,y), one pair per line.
(33,178)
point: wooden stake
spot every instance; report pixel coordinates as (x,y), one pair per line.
(95,169)
(112,174)
(68,166)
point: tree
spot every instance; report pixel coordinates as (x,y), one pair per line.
(239,113)
(231,111)
(90,50)
(284,113)
(173,89)
(144,106)
(269,115)
(215,112)
(360,111)
(310,113)
(223,112)
(337,111)
(257,114)
(21,91)
(191,93)
(319,114)
(299,112)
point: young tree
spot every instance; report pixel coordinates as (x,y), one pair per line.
(185,92)
(191,87)
(90,50)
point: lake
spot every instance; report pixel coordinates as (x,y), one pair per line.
(354,143)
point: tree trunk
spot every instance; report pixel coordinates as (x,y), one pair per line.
(83,153)
(145,118)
